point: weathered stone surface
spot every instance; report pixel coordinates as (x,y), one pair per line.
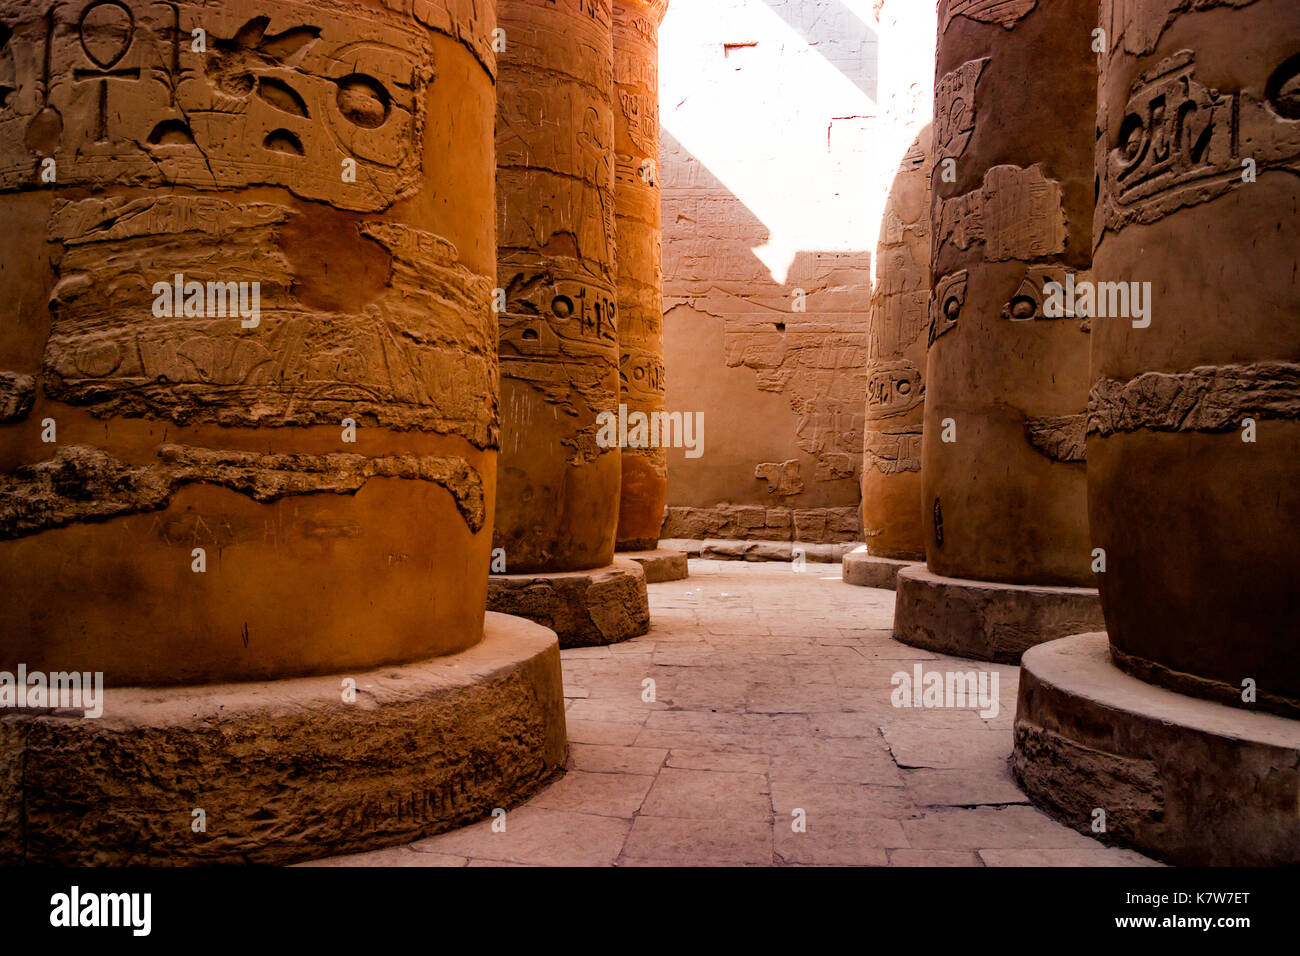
(558,488)
(1194,418)
(1141,185)
(1004,494)
(869,571)
(255,357)
(1211,398)
(1059,437)
(1138,27)
(644,486)
(282,93)
(896,352)
(819,525)
(17,393)
(984,620)
(414,357)
(768,253)
(83,484)
(584,608)
(1004,12)
(691,547)
(1016,214)
(662,564)
(782,477)
(1188,781)
(735,639)
(287,770)
(750,550)
(955,107)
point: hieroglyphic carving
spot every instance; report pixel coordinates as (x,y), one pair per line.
(1017,214)
(1027,303)
(83,484)
(1006,12)
(1139,24)
(17,394)
(782,477)
(1210,398)
(641,375)
(551,321)
(114,92)
(896,321)
(1059,437)
(946,303)
(420,355)
(893,388)
(955,110)
(892,453)
(557,191)
(1179,143)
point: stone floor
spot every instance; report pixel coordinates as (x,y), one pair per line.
(771,694)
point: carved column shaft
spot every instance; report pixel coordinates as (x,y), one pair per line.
(557,501)
(1195,417)
(227,232)
(896,347)
(1006,383)
(640,279)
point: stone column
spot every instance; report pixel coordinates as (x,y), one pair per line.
(1193,452)
(640,278)
(558,492)
(1007,547)
(248,394)
(895,409)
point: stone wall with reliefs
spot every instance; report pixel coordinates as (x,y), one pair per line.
(557,501)
(1006,380)
(1194,419)
(784,127)
(232,230)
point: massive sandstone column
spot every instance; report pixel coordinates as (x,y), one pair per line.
(558,492)
(895,408)
(640,278)
(1193,452)
(1007,549)
(250,428)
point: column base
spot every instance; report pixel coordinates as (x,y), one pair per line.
(659,565)
(282,771)
(869,571)
(584,608)
(1185,780)
(985,620)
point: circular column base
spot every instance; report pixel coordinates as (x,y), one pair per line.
(281,771)
(659,565)
(584,608)
(985,620)
(869,571)
(1186,780)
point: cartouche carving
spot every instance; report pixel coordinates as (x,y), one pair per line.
(115,91)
